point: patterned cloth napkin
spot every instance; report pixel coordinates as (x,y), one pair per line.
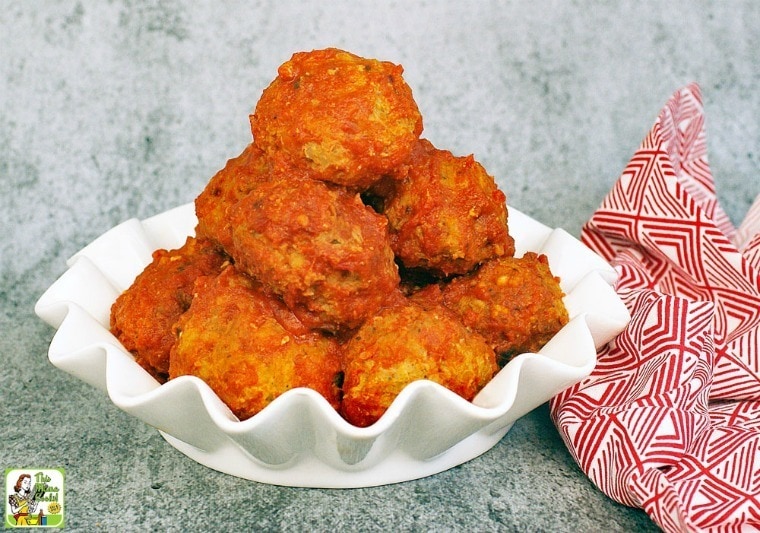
(669,420)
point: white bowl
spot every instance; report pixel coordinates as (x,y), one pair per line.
(299,439)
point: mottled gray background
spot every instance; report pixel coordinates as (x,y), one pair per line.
(119,109)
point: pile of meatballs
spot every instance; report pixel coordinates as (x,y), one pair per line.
(343,252)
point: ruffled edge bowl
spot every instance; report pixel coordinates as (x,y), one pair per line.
(299,439)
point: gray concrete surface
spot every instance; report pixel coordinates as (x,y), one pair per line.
(119,109)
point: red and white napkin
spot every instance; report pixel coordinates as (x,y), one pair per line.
(669,420)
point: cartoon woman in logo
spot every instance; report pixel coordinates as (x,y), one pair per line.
(23,502)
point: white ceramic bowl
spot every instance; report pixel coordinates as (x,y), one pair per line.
(299,440)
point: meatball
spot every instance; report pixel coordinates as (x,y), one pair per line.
(405,342)
(240,341)
(224,190)
(515,303)
(319,247)
(142,316)
(447,215)
(344,118)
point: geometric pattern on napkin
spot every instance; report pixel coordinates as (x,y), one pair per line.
(663,207)
(669,420)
